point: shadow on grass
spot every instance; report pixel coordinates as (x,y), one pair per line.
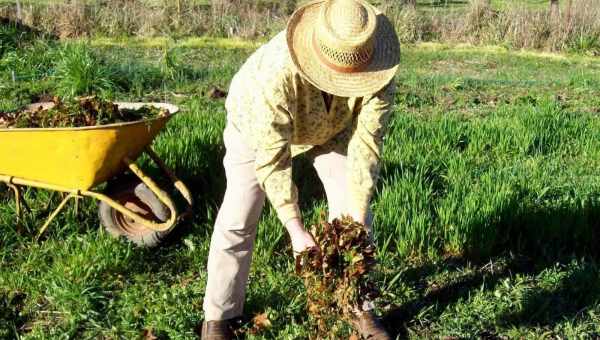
(439,297)
(14,34)
(576,292)
(543,234)
(207,186)
(11,318)
(570,298)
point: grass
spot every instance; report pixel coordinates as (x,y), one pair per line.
(421,3)
(497,4)
(486,216)
(516,24)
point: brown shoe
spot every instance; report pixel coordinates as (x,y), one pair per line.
(217,330)
(369,327)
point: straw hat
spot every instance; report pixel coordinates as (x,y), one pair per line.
(347,48)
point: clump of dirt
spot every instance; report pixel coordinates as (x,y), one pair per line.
(216,93)
(337,279)
(88,111)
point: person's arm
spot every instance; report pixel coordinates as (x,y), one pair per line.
(364,150)
(274,167)
(273,155)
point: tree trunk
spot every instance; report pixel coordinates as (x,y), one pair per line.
(554,8)
(569,8)
(19,14)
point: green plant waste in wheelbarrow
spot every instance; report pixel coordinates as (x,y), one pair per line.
(74,161)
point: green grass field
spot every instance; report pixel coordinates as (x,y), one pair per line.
(487,213)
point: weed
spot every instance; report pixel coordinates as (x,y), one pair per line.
(79,72)
(337,278)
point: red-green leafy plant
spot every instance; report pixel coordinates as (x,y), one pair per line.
(337,278)
(88,111)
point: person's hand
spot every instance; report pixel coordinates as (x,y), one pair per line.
(302,240)
(359,218)
(365,219)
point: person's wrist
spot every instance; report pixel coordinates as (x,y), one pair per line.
(294,224)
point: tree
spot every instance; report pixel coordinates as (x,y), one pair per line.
(19,15)
(554,8)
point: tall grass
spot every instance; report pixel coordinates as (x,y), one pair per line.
(80,72)
(122,17)
(471,186)
(576,28)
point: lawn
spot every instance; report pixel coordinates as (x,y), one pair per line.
(486,217)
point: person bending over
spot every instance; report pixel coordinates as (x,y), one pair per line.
(323,86)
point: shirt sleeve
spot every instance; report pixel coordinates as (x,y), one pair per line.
(364,149)
(274,129)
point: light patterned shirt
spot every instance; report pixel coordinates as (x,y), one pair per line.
(282,115)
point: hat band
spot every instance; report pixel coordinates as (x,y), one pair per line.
(338,68)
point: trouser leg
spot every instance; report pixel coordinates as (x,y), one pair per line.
(332,170)
(234,233)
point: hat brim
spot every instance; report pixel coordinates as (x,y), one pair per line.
(371,79)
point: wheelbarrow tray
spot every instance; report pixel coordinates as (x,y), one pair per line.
(77,158)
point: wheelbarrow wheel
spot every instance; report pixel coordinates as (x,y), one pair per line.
(137,197)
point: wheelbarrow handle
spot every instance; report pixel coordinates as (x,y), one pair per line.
(179,185)
(160,194)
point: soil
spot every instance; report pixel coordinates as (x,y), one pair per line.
(88,111)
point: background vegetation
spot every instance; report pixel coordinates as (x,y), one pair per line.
(487,214)
(572,25)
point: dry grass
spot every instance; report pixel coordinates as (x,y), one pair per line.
(577,27)
(138,18)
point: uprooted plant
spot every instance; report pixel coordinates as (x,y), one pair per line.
(337,278)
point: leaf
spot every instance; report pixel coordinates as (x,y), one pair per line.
(87,111)
(338,278)
(260,322)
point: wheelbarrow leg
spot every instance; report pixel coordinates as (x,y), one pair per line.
(17,192)
(60,207)
(76,207)
(49,203)
(24,203)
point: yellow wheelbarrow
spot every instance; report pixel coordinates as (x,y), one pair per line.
(74,161)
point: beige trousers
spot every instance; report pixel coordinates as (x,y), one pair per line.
(235,227)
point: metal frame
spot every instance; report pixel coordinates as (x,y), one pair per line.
(14,183)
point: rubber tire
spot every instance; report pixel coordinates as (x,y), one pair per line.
(123,193)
